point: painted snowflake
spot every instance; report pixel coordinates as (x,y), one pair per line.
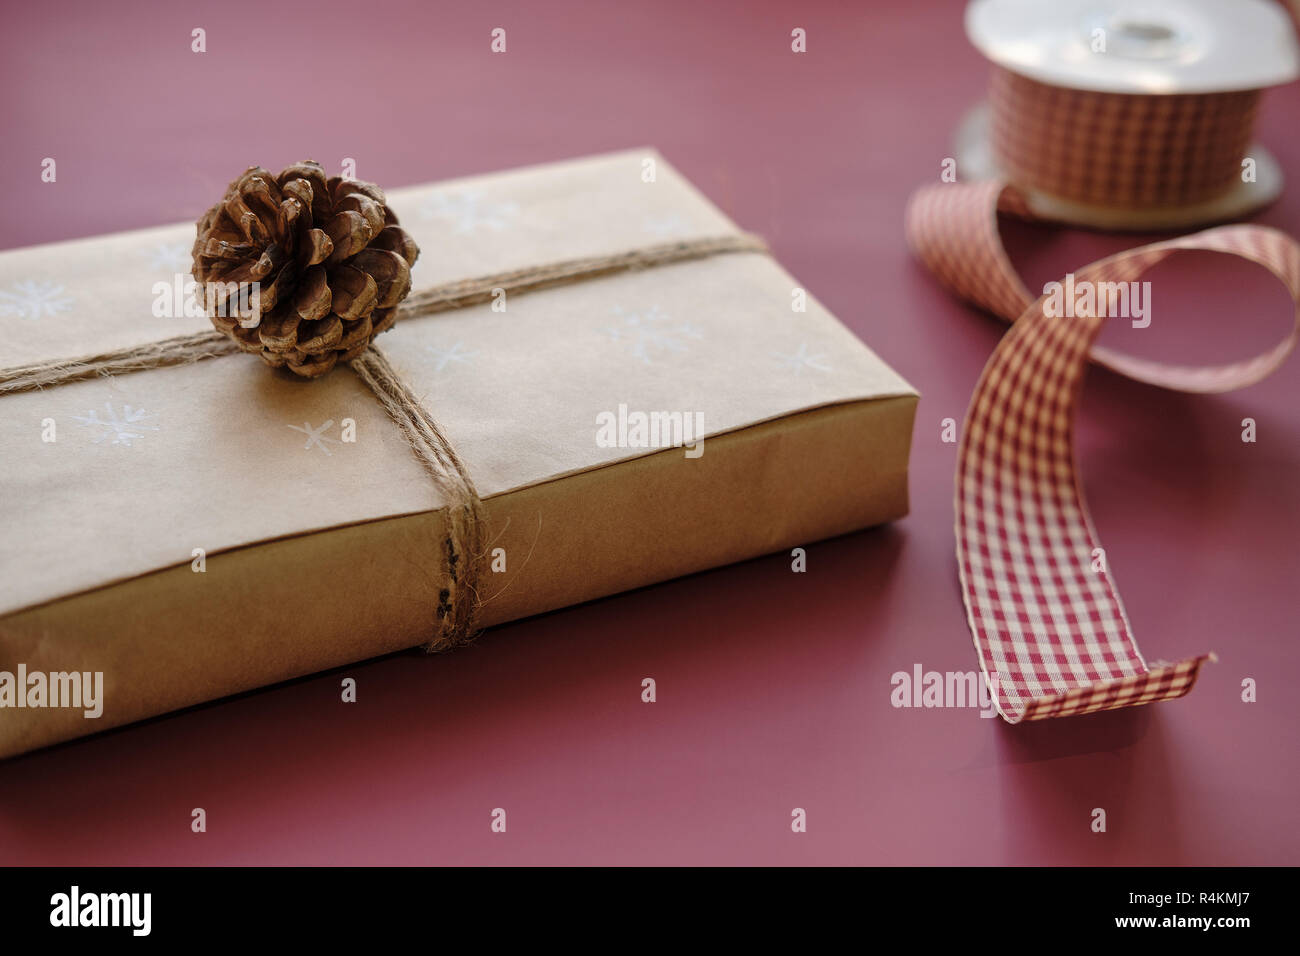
(445,356)
(669,225)
(316,437)
(802,359)
(468,210)
(115,429)
(31,299)
(650,333)
(170,257)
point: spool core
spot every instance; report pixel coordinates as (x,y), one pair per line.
(1140,39)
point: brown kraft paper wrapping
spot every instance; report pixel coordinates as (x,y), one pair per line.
(317,551)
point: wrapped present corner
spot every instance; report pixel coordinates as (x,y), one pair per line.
(184,533)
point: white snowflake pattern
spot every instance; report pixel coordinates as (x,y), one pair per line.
(802,359)
(31,299)
(446,356)
(650,333)
(170,256)
(669,225)
(468,210)
(122,430)
(316,437)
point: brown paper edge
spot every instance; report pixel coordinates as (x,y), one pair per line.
(279,610)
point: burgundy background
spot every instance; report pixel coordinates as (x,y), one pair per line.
(773,687)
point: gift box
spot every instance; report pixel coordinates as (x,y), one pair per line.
(186,532)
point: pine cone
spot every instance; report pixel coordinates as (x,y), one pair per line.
(329,258)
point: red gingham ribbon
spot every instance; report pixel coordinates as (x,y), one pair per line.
(1122,150)
(1051,633)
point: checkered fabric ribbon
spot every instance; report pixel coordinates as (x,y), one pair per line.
(1120,149)
(1051,633)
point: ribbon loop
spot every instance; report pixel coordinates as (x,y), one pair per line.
(1048,625)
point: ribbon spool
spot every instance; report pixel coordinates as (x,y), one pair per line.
(1128,115)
